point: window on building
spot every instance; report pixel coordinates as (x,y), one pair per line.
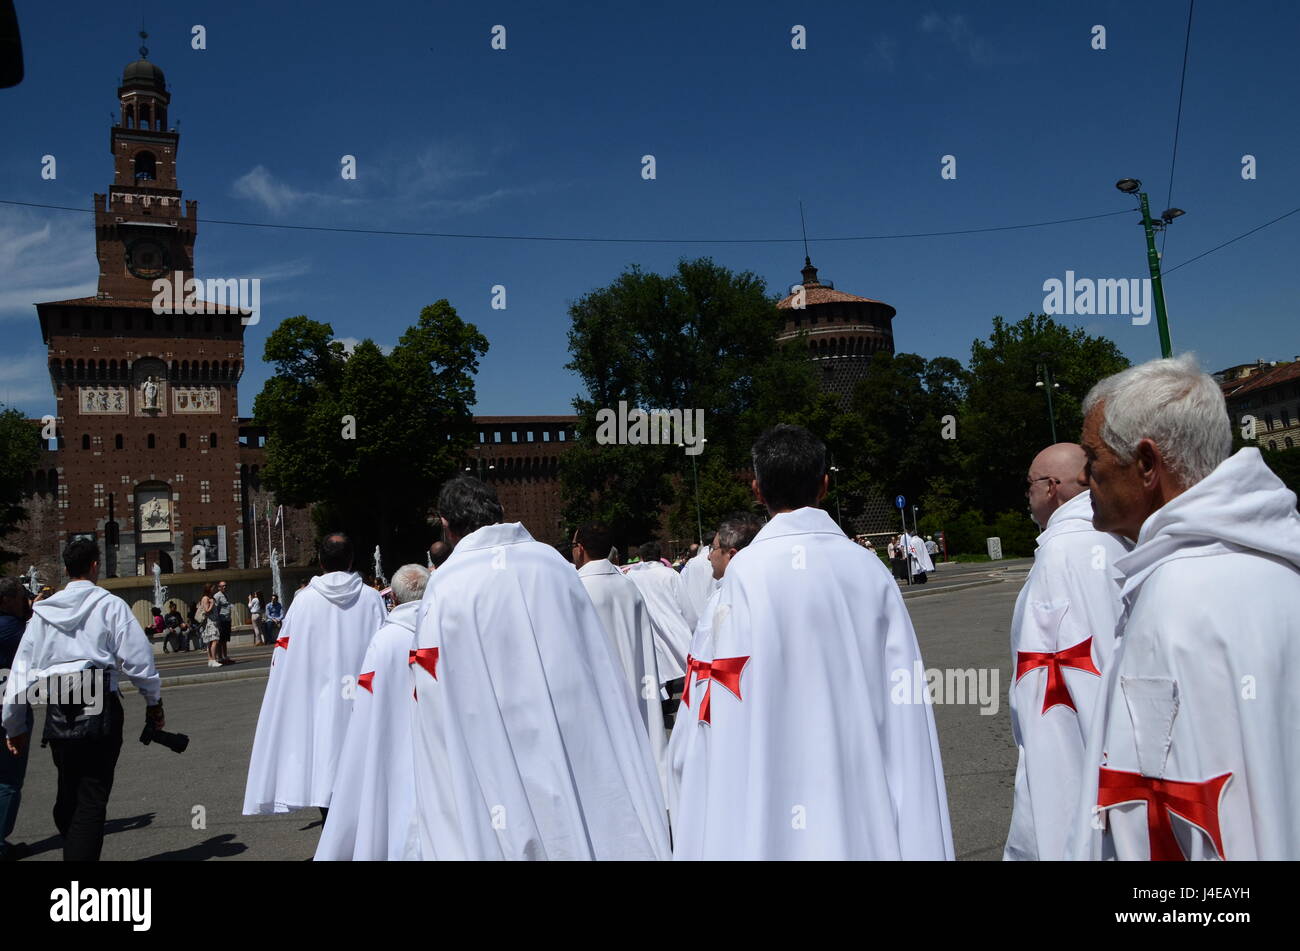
(151,441)
(212,440)
(85,441)
(182,440)
(117,441)
(1290,444)
(1272,445)
(146,166)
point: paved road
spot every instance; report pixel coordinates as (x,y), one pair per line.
(152,811)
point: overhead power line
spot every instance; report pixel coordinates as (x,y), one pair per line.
(599,240)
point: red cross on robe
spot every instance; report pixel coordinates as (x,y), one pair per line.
(725,671)
(282,642)
(367,680)
(426,657)
(1198,803)
(1058,692)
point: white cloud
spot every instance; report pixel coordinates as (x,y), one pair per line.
(958,30)
(43,258)
(260,186)
(25,383)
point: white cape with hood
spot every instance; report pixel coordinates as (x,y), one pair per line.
(797,748)
(309,693)
(698,581)
(1062,637)
(1195,749)
(528,742)
(81,627)
(373,803)
(626,620)
(919,554)
(670,612)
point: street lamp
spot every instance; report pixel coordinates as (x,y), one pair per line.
(1131,186)
(699,524)
(1045,380)
(839,516)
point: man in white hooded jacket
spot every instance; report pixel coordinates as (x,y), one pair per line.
(1062,637)
(1194,751)
(308,698)
(373,801)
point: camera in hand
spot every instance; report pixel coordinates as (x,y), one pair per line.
(176,742)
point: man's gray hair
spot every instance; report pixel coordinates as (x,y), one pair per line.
(1172,403)
(408,583)
(738,531)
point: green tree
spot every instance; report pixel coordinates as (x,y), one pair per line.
(1005,421)
(702,337)
(368,439)
(19,452)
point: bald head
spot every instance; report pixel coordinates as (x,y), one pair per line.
(1054,479)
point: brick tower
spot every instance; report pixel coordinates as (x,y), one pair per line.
(148,457)
(844,331)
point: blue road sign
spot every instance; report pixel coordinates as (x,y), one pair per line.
(900,501)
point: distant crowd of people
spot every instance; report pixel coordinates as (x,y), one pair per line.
(206,625)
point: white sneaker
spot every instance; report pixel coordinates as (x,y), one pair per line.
(214,663)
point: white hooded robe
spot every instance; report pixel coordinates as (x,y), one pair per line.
(1195,749)
(528,742)
(626,620)
(797,748)
(308,697)
(1062,637)
(373,803)
(670,612)
(698,581)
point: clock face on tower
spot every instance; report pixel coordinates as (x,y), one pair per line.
(146,258)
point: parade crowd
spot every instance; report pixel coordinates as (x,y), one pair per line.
(508,706)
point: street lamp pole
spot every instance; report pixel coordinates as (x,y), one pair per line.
(1131,186)
(839,516)
(699,523)
(1048,384)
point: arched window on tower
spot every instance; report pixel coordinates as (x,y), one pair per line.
(182,441)
(85,441)
(146,166)
(212,440)
(117,441)
(151,441)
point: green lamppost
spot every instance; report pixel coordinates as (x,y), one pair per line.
(1131,186)
(1045,380)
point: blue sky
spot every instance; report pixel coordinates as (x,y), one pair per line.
(546,138)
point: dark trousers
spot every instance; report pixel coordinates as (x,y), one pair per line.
(86,770)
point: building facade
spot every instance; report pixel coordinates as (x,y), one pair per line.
(1268,393)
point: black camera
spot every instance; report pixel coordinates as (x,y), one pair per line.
(176,742)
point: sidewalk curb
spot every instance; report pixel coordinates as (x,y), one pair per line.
(182,680)
(909,595)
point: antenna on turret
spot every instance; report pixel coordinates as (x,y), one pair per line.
(144,50)
(804,225)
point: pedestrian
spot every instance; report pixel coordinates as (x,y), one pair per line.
(309,693)
(86,631)
(373,800)
(255,617)
(15,612)
(805,749)
(1062,637)
(1198,709)
(528,743)
(158,628)
(173,624)
(211,631)
(223,624)
(274,616)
